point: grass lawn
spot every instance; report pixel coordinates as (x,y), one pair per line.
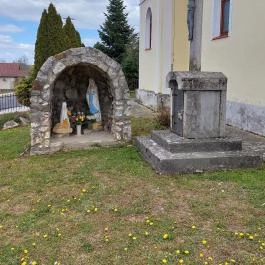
(107,206)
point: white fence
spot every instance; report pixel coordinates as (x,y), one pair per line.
(9,104)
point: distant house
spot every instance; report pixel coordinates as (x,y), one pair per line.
(228,37)
(9,73)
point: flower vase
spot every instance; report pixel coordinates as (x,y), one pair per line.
(78,130)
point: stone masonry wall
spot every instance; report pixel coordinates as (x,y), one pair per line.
(53,76)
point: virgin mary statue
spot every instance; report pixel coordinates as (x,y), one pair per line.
(92,100)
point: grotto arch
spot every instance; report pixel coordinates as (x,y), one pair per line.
(52,87)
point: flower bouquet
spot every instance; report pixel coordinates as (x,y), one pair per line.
(77,119)
(80,118)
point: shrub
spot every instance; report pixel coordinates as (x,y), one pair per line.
(163,116)
(23,91)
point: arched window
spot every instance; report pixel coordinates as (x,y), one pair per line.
(148,29)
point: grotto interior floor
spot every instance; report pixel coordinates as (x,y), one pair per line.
(87,140)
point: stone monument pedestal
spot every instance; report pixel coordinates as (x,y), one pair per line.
(196,141)
(198,104)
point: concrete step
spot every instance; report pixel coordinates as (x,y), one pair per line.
(191,162)
(176,144)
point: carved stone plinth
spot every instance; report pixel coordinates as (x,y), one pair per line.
(198,104)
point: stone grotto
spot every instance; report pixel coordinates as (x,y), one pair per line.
(80,83)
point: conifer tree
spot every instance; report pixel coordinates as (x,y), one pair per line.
(115,33)
(73,39)
(53,37)
(41,45)
(56,36)
(130,63)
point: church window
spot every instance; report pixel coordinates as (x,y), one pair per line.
(221,18)
(148,29)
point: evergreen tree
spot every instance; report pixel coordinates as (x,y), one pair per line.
(115,33)
(41,45)
(56,36)
(53,37)
(130,63)
(73,39)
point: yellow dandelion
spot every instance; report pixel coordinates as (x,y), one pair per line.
(251,237)
(95,209)
(26,251)
(12,248)
(146,233)
(24,263)
(186,252)
(177,251)
(83,190)
(232,260)
(201,255)
(165,236)
(130,234)
(210,258)
(204,242)
(151,223)
(125,249)
(181,261)
(115,210)
(241,234)
(33,262)
(164,260)
(193,227)
(45,235)
(33,244)
(88,211)
(134,238)
(49,205)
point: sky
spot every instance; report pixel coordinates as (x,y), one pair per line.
(19,20)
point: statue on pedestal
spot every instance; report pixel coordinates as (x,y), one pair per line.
(93,101)
(64,126)
(190,18)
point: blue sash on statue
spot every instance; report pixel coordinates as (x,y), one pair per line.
(92,108)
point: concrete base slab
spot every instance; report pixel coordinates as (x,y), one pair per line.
(164,161)
(86,141)
(176,144)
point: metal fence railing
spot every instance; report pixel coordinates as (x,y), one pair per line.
(9,104)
